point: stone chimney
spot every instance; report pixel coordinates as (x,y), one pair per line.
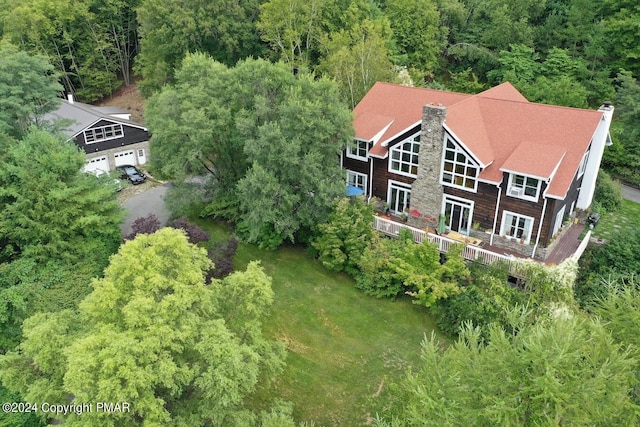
(426,191)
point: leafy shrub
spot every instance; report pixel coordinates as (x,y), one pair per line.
(388,267)
(343,238)
(144,225)
(427,278)
(222,257)
(194,233)
(185,199)
(619,257)
(266,238)
(486,299)
(608,194)
(377,277)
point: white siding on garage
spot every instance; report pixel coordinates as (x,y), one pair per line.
(125,158)
(97,165)
(142,158)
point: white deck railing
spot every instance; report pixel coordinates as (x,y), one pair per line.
(583,246)
(471,253)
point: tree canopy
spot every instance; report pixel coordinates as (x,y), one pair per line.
(268,138)
(153,334)
(29,88)
(48,206)
(58,227)
(559,371)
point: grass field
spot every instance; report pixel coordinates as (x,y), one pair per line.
(626,219)
(345,349)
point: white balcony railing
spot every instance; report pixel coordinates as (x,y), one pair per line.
(471,253)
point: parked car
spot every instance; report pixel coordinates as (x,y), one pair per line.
(132,174)
(109,180)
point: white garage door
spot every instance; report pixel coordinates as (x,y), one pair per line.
(97,165)
(125,158)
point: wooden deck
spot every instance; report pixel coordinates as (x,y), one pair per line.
(567,247)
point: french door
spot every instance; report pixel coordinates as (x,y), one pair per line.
(458,214)
(399,197)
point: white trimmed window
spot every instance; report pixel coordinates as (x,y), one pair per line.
(403,158)
(583,164)
(103,133)
(357,179)
(357,149)
(524,187)
(458,169)
(516,226)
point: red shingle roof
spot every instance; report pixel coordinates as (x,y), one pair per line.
(499,126)
(401,103)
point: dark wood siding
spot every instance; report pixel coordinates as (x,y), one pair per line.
(484,207)
(132,135)
(523,207)
(355,165)
(572,197)
(381,177)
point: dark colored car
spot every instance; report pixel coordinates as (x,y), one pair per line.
(132,174)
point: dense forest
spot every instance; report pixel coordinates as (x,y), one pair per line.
(568,52)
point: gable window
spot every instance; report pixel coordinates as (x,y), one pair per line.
(516,226)
(583,164)
(103,133)
(357,179)
(458,170)
(357,149)
(404,157)
(524,187)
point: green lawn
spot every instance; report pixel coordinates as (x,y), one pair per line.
(344,348)
(626,219)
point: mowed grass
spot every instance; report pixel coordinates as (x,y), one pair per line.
(625,220)
(345,349)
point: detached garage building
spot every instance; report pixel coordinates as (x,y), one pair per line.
(106,134)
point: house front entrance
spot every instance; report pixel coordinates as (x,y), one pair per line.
(458,213)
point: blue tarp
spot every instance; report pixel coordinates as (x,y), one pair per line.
(354,191)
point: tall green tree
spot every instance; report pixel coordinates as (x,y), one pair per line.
(620,18)
(291,27)
(556,372)
(416,29)
(29,88)
(78,38)
(153,334)
(345,235)
(358,57)
(171,29)
(268,139)
(623,158)
(48,207)
(58,227)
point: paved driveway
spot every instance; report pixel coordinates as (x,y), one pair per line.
(144,204)
(631,193)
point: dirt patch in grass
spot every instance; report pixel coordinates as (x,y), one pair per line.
(128,98)
(291,344)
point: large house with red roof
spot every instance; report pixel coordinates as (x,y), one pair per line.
(493,162)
